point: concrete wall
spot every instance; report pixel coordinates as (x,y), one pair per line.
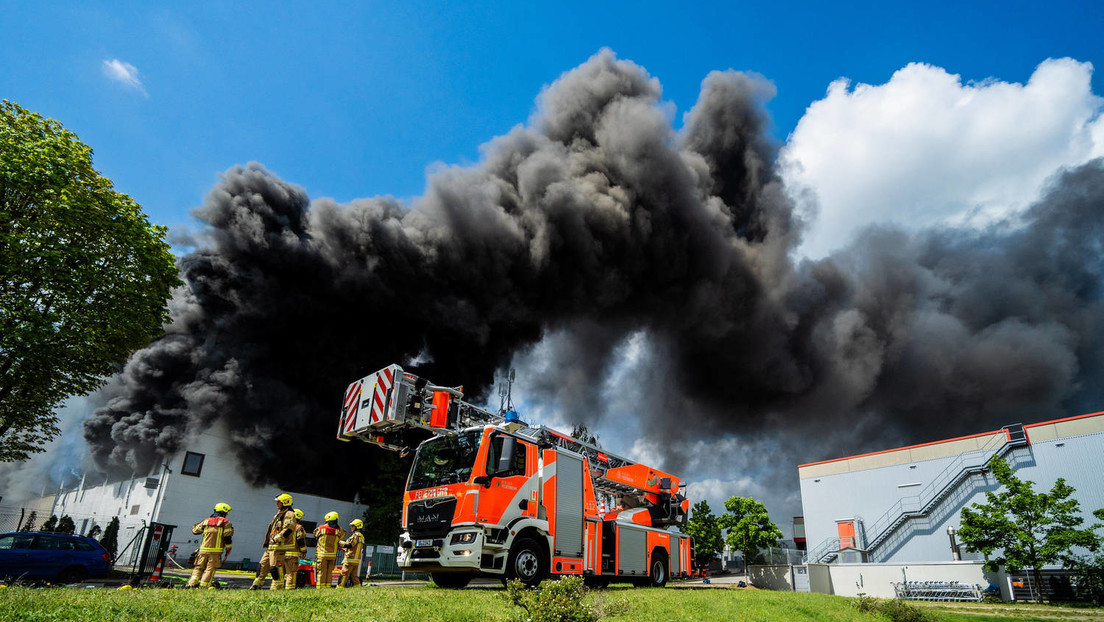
(878,579)
(774,577)
(820,578)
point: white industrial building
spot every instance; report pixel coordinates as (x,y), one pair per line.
(903,505)
(184,491)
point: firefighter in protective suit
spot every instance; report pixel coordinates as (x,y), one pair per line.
(279,539)
(214,546)
(354,548)
(328,534)
(291,581)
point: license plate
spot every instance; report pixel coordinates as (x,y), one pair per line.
(423,543)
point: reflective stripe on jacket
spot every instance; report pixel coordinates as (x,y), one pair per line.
(281,531)
(300,549)
(216,531)
(328,537)
(354,547)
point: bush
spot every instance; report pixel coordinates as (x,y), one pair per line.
(556,601)
(66,526)
(110,538)
(892,609)
(1089,579)
(50,525)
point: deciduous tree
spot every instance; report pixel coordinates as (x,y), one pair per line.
(1028,529)
(749,526)
(705,528)
(84,277)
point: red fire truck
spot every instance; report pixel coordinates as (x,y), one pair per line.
(489,495)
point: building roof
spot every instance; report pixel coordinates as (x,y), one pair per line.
(1046,430)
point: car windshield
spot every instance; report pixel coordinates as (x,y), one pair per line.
(444,460)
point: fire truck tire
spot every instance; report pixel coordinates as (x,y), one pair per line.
(451,580)
(657,576)
(527,563)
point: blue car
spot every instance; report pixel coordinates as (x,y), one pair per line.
(51,557)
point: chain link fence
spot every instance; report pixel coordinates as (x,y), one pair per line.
(779,556)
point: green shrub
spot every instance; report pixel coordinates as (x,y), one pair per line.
(556,601)
(892,609)
(1089,578)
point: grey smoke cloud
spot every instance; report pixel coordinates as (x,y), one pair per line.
(596,222)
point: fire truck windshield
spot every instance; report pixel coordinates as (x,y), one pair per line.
(444,460)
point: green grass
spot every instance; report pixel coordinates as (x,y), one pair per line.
(427,603)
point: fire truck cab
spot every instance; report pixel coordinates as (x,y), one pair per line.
(492,496)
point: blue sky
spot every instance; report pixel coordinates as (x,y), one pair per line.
(964,119)
(358,99)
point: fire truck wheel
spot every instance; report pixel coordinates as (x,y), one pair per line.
(451,580)
(526,563)
(658,575)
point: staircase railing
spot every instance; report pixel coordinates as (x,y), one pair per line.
(940,487)
(819,555)
(943,484)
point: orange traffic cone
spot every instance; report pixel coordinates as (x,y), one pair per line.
(156,576)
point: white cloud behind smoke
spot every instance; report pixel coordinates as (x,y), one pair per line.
(926,148)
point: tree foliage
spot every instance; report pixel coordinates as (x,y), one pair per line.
(384,495)
(66,526)
(29,524)
(110,539)
(84,277)
(582,433)
(50,525)
(749,526)
(705,528)
(1029,529)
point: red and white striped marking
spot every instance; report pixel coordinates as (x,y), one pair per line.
(384,379)
(351,406)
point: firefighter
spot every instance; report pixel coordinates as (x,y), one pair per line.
(297,553)
(353,547)
(214,547)
(279,539)
(328,534)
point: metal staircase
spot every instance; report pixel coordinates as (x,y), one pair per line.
(942,486)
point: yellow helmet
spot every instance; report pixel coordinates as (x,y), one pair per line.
(357,523)
(284,499)
(222,507)
(331,516)
(298,514)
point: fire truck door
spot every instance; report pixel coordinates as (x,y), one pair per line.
(510,490)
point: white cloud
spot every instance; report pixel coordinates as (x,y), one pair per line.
(924,148)
(125,74)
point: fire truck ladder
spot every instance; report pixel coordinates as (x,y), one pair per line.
(380,408)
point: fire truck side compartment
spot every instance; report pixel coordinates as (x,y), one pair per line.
(631,553)
(569,513)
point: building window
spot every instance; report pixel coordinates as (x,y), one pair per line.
(193,463)
(134,509)
(308,528)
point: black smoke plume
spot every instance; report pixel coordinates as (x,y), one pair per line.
(596,223)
